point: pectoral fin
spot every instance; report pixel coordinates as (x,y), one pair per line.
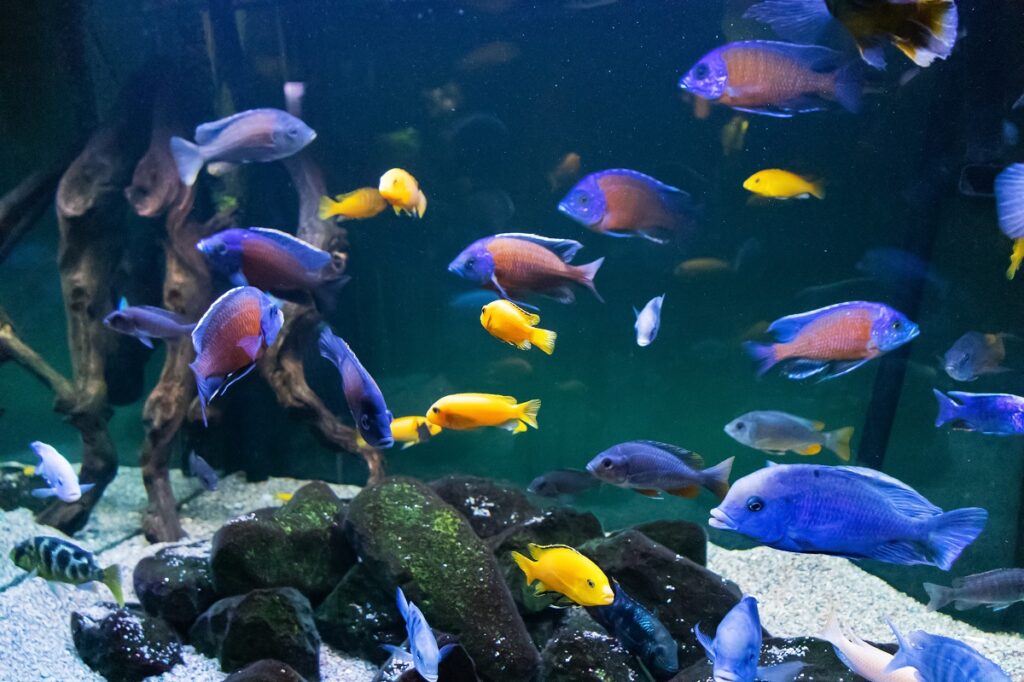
(689,491)
(812,449)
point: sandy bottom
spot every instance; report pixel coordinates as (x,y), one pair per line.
(796,592)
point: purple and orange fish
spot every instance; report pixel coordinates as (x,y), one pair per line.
(624,203)
(514,264)
(775,79)
(832,341)
(230,337)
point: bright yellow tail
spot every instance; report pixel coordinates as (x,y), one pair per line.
(112,579)
(525,565)
(421,205)
(528,412)
(544,339)
(326,208)
(818,189)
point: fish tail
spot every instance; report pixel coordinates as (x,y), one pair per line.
(528,412)
(818,189)
(838,441)
(1009,191)
(203,390)
(716,478)
(948,408)
(848,90)
(525,565)
(929,33)
(586,276)
(421,205)
(327,208)
(763,354)
(188,158)
(952,532)
(112,579)
(326,295)
(544,339)
(938,596)
(1016,256)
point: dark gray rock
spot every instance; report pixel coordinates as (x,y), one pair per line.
(682,537)
(125,645)
(489,506)
(457,666)
(267,670)
(581,651)
(359,615)
(819,659)
(408,536)
(273,623)
(300,545)
(678,591)
(175,584)
(16,489)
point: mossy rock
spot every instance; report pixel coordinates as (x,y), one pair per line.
(489,506)
(359,615)
(408,536)
(300,545)
(175,584)
(581,651)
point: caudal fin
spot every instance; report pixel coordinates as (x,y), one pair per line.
(848,90)
(586,276)
(948,408)
(528,412)
(544,339)
(327,208)
(838,441)
(525,565)
(763,354)
(939,20)
(1009,190)
(421,205)
(938,596)
(112,579)
(716,478)
(952,532)
(818,189)
(188,158)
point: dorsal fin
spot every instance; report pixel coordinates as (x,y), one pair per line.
(122,304)
(689,457)
(312,258)
(206,132)
(787,328)
(564,248)
(904,498)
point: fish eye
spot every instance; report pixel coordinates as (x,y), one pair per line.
(584,199)
(755,504)
(471,261)
(606,463)
(701,72)
(757,180)
(221,247)
(590,583)
(364,422)
(60,482)
(293,131)
(740,426)
(897,325)
(436,410)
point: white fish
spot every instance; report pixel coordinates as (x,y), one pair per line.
(862,658)
(58,473)
(648,320)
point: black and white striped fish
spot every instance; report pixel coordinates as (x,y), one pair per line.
(61,561)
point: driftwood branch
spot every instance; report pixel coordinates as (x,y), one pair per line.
(21,208)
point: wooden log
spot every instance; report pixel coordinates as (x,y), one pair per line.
(23,206)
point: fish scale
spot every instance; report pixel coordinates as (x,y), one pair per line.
(521,264)
(230,325)
(771,75)
(844,338)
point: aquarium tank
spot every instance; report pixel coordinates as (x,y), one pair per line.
(509,340)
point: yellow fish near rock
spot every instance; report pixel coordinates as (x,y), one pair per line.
(775,183)
(401,190)
(562,569)
(411,431)
(359,204)
(508,322)
(467,411)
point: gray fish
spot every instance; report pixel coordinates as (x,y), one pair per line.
(199,468)
(996,589)
(648,466)
(779,432)
(562,482)
(975,354)
(146,322)
(254,135)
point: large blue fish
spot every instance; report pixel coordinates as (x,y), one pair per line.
(847,511)
(997,414)
(146,322)
(941,659)
(423,650)
(736,648)
(647,467)
(640,633)
(254,135)
(365,401)
(230,337)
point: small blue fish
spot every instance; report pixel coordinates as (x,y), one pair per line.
(648,321)
(365,401)
(736,648)
(975,354)
(941,659)
(200,469)
(146,322)
(423,650)
(640,633)
(59,474)
(647,466)
(1010,200)
(846,511)
(562,482)
(995,414)
(254,135)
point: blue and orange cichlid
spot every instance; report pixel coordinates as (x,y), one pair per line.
(61,561)
(774,79)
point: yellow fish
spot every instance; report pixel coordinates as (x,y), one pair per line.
(558,568)
(28,470)
(1016,256)
(775,183)
(466,411)
(284,497)
(401,190)
(412,430)
(358,204)
(508,322)
(695,267)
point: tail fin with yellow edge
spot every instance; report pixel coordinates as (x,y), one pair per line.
(421,205)
(939,20)
(818,189)
(326,208)
(838,441)
(527,412)
(112,579)
(525,565)
(544,339)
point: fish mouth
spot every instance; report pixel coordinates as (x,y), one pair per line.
(563,208)
(719,519)
(385,442)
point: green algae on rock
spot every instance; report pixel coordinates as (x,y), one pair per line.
(581,651)
(359,616)
(408,536)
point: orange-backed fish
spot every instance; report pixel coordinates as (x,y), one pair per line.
(923,30)
(506,321)
(515,263)
(466,411)
(625,203)
(400,189)
(832,341)
(411,431)
(775,79)
(359,204)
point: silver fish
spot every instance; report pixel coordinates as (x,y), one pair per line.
(996,589)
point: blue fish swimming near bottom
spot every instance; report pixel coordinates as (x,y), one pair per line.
(941,659)
(736,648)
(995,414)
(640,633)
(423,650)
(853,512)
